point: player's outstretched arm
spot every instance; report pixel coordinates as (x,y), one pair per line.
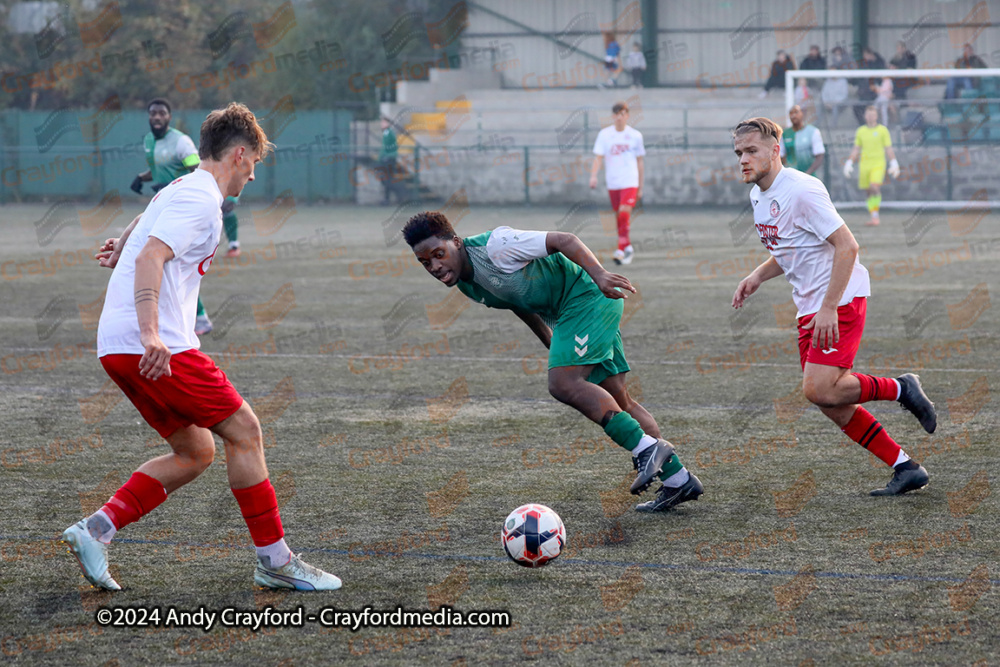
(155,360)
(578,253)
(757,277)
(537,325)
(109,253)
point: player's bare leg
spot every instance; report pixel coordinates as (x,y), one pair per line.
(615,385)
(838,393)
(277,566)
(652,456)
(193,452)
(874,203)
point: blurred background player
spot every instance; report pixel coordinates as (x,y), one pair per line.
(619,147)
(146,343)
(170,153)
(873,143)
(554,283)
(386,167)
(811,245)
(802,144)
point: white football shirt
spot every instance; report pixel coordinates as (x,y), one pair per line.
(620,150)
(793,218)
(187,216)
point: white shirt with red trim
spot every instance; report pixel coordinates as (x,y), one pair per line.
(793,218)
(187,216)
(620,151)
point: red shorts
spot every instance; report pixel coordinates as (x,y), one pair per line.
(196,392)
(850,324)
(624,197)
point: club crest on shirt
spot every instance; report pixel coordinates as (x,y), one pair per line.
(775,208)
(206,263)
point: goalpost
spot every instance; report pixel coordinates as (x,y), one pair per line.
(926,121)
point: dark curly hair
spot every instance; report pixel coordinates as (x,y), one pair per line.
(424,225)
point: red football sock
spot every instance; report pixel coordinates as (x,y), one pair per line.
(867,432)
(623,225)
(259,507)
(139,496)
(877,389)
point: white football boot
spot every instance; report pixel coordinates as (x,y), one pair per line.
(295,574)
(91,554)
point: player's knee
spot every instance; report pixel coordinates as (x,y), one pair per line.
(562,390)
(818,395)
(248,434)
(203,456)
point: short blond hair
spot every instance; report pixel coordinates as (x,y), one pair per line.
(766,127)
(226,127)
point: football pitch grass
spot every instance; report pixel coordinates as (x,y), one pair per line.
(403,423)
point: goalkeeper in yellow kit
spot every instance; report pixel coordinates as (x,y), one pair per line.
(872,141)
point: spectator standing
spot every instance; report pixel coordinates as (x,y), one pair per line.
(835,90)
(867,88)
(903,59)
(635,64)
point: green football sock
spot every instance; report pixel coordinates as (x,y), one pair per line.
(874,202)
(201,308)
(624,430)
(232,225)
(671,467)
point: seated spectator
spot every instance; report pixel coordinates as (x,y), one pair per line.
(835,90)
(969,60)
(903,59)
(782,64)
(813,61)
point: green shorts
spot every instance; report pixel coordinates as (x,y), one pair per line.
(587,334)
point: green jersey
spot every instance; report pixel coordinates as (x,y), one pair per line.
(389,146)
(800,148)
(513,270)
(171,156)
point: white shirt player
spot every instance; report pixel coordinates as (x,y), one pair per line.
(187,216)
(620,150)
(793,218)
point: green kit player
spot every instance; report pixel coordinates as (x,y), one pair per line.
(170,154)
(555,284)
(802,144)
